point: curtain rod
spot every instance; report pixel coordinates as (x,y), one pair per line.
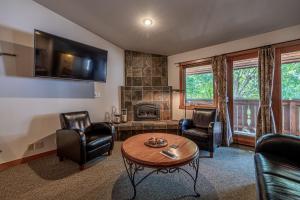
(241,51)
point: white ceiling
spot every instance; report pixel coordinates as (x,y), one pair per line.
(180,25)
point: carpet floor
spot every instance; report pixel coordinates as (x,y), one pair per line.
(228,176)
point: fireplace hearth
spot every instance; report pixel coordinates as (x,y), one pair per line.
(146,111)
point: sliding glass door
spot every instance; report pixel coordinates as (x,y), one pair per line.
(288,70)
(243,96)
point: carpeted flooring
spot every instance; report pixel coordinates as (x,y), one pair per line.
(228,176)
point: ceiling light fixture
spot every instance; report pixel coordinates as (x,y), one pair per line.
(147,22)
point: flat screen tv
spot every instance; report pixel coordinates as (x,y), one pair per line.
(57,57)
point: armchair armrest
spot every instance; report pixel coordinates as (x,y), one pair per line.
(215,128)
(186,124)
(215,131)
(71,143)
(282,145)
(103,127)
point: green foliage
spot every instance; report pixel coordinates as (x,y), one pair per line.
(245,83)
(290,77)
(199,86)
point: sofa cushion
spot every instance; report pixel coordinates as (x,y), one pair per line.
(277,177)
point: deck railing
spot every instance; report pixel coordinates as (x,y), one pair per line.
(291,116)
(245,112)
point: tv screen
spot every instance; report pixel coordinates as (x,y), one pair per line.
(58,57)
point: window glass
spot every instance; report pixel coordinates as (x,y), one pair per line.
(199,85)
(245,95)
(290,92)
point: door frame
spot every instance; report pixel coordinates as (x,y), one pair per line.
(238,138)
(277,98)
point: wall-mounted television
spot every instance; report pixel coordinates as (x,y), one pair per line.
(57,57)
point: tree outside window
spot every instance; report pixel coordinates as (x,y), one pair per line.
(199,85)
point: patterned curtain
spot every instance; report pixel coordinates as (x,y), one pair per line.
(265,118)
(219,66)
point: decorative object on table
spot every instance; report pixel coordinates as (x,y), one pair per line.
(113,112)
(156,142)
(107,117)
(124,115)
(117,118)
(169,153)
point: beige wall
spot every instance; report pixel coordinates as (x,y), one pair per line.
(24,121)
(282,35)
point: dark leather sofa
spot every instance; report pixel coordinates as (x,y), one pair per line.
(277,163)
(204,129)
(81,140)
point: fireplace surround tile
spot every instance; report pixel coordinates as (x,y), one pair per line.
(147,95)
(146,81)
(156,81)
(137,81)
(129,81)
(157,95)
(147,71)
(137,72)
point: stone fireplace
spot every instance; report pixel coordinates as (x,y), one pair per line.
(146,96)
(146,82)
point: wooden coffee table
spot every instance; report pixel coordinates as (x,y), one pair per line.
(137,156)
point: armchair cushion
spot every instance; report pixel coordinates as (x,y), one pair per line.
(203,117)
(75,120)
(99,128)
(197,133)
(96,141)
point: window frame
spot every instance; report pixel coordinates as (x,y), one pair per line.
(280,48)
(182,67)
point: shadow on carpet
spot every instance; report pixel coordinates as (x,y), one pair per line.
(176,186)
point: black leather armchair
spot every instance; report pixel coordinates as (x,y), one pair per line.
(277,165)
(204,129)
(80,140)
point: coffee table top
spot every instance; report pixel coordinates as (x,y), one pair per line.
(136,151)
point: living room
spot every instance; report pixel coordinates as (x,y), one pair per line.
(187,99)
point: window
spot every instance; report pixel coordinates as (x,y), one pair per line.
(198,85)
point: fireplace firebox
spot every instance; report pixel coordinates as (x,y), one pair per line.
(146,111)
